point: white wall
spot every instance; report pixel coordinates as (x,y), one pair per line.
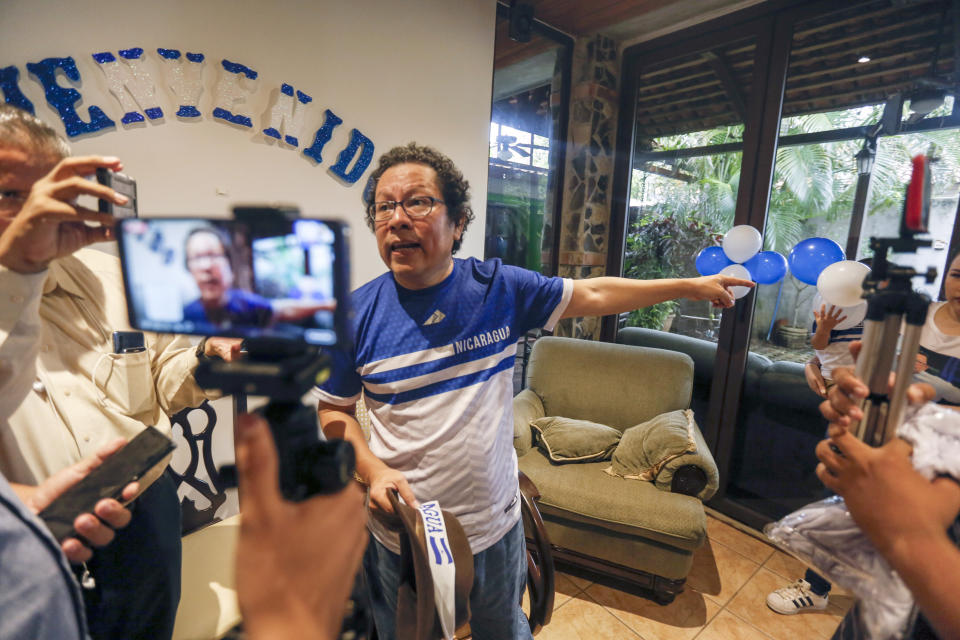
(397,71)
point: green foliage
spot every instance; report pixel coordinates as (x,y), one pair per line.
(686,204)
(661,247)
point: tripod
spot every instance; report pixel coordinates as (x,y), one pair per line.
(887,309)
(890,307)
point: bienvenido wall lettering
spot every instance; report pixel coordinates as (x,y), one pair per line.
(136,90)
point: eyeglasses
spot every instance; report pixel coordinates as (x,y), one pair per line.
(415,207)
(206,259)
(10,200)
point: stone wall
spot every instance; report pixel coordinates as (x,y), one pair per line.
(587,197)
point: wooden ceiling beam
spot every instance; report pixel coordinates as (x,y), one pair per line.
(691,114)
(658,107)
(858,77)
(871,95)
(833,42)
(743,66)
(694,60)
(676,174)
(854,65)
(728,81)
(826,23)
(688,126)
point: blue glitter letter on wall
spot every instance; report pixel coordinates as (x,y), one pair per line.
(63,99)
(330,122)
(357,140)
(10,83)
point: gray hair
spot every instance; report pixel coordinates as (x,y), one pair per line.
(23,130)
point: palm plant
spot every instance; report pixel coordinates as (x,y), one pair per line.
(812,184)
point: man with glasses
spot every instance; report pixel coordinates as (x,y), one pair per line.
(222,305)
(62,304)
(435,340)
(219,303)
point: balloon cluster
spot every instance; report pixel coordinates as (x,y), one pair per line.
(739,256)
(839,282)
(814,261)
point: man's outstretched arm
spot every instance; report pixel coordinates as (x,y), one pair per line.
(607,295)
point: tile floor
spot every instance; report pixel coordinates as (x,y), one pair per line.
(723,600)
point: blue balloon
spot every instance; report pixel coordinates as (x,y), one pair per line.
(811,256)
(766,267)
(711,260)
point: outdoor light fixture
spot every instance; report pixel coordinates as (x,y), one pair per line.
(865,158)
(863,59)
(868,152)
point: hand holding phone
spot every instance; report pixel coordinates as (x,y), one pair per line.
(142,460)
(122,184)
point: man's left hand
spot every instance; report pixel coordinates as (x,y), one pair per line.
(716,289)
(227,349)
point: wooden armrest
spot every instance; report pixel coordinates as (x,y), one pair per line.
(541,580)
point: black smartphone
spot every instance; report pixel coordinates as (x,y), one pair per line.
(143,459)
(120,183)
(264,274)
(128,342)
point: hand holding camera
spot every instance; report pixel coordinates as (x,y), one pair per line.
(49,225)
(275,280)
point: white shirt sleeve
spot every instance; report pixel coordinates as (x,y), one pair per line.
(19,335)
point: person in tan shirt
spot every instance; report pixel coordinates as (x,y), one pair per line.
(287,586)
(60,308)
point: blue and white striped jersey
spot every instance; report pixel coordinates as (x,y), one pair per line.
(837,352)
(436,370)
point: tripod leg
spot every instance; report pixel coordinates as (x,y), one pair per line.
(879,354)
(898,398)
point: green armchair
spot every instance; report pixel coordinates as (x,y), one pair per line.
(637,531)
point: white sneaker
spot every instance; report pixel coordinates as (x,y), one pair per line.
(796,597)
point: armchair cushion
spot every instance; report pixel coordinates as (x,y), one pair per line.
(526,408)
(647,447)
(569,440)
(700,457)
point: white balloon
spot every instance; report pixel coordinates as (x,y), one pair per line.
(737,271)
(841,283)
(854,315)
(742,242)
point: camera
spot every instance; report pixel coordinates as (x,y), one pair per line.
(123,184)
(271,277)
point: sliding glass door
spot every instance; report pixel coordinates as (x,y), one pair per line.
(799,121)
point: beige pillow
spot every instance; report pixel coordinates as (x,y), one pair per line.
(645,448)
(569,440)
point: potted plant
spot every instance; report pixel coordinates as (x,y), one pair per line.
(795,335)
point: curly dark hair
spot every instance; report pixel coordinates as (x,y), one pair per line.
(453,186)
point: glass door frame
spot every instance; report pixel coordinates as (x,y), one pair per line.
(566,44)
(772,25)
